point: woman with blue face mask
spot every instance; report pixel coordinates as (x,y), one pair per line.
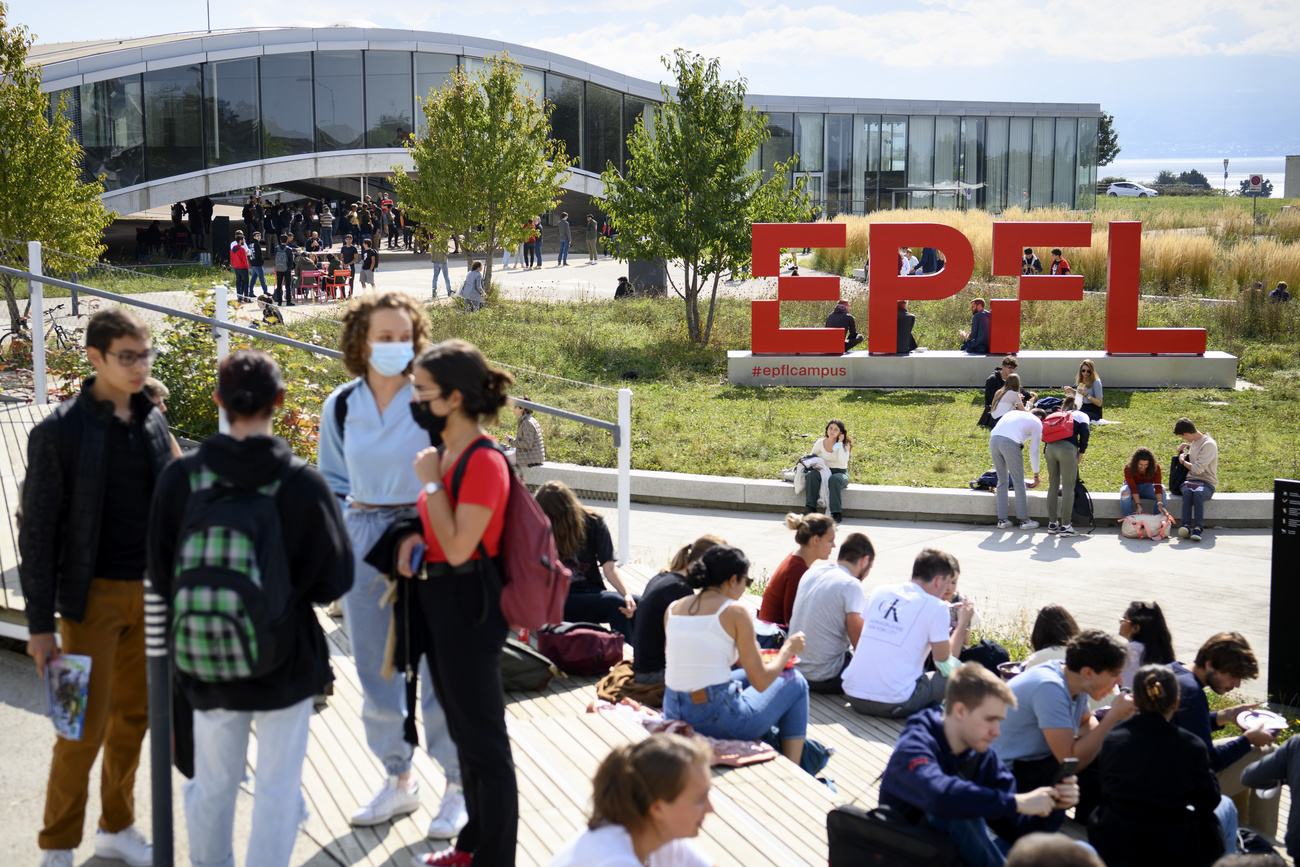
(368,440)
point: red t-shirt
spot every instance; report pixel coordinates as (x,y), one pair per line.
(778,598)
(486,483)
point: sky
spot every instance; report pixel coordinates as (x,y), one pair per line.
(1190,79)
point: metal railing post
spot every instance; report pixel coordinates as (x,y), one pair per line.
(158,665)
(36,322)
(624,474)
(223,344)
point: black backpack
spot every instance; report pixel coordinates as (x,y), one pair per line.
(1177,475)
(231,587)
(988,481)
(884,837)
(1083,513)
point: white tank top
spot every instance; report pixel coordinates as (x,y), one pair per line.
(699,651)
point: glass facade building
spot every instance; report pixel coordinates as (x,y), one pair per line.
(171,120)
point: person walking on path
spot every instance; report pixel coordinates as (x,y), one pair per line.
(239,264)
(317,558)
(369,264)
(438,258)
(256,265)
(1007,447)
(537,244)
(566,239)
(92,465)
(593,234)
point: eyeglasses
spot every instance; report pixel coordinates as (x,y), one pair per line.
(131,359)
(749,582)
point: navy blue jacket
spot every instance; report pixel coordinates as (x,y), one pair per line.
(979,329)
(925,776)
(1193,714)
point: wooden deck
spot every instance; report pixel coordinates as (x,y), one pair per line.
(16,422)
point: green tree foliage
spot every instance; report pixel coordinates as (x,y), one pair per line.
(1166,177)
(1265,189)
(486,162)
(688,197)
(42,197)
(1194,178)
(1107,140)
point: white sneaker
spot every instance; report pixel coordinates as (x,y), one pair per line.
(391,800)
(56,858)
(1068,530)
(452,815)
(1004,525)
(127,845)
(1031,524)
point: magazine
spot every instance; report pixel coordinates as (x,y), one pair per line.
(67,680)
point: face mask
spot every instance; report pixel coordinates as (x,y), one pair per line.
(427,419)
(390,359)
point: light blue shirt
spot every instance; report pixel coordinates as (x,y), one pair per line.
(1042,702)
(373,461)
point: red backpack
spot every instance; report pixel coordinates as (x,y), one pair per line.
(1058,426)
(580,648)
(535,583)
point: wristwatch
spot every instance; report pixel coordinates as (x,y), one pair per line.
(432,488)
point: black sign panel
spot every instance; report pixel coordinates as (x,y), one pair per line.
(1283,632)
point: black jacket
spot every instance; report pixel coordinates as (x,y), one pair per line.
(839,318)
(1158,796)
(317,547)
(63,501)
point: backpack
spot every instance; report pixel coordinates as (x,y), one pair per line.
(535,583)
(580,648)
(1083,513)
(988,481)
(1177,475)
(1058,426)
(282,257)
(232,587)
(883,837)
(523,668)
(1144,526)
(1051,404)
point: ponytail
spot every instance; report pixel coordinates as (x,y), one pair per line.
(809,526)
(717,566)
(1155,689)
(688,554)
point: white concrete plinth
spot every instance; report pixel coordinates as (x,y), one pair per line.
(1038,369)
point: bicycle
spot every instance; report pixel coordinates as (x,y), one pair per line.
(54,331)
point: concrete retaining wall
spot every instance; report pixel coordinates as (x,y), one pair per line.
(867,501)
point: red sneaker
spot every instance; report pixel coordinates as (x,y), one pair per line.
(450,857)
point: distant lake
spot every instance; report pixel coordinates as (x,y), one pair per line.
(1239,169)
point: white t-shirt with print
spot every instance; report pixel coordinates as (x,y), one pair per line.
(611,846)
(901,621)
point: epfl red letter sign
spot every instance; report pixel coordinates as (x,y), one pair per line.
(1123,337)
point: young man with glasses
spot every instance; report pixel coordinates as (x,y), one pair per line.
(92,464)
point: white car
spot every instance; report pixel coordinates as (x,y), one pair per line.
(1128,188)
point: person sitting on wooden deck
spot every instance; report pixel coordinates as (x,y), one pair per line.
(828,611)
(647,798)
(943,771)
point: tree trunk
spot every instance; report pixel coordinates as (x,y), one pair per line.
(692,303)
(713,300)
(15,320)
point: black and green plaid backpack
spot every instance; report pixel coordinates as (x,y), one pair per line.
(231,585)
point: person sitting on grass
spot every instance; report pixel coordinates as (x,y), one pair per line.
(815,536)
(648,798)
(828,611)
(1142,480)
(1053,628)
(472,290)
(1087,390)
(707,634)
(1199,453)
(903,624)
(944,770)
(530,448)
(840,317)
(995,381)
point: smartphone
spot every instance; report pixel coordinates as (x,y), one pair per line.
(417,558)
(1069,768)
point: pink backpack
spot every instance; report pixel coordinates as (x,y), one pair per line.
(1144,526)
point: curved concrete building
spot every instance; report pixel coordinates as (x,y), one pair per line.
(175,117)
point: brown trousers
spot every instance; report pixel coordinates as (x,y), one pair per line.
(117,714)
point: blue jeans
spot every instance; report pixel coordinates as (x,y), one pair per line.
(219,764)
(736,710)
(327,236)
(1009,460)
(600,608)
(977,846)
(383,702)
(441,267)
(564,254)
(813,486)
(256,273)
(1227,813)
(1146,491)
(1194,505)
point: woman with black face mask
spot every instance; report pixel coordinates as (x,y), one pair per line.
(460,595)
(367,442)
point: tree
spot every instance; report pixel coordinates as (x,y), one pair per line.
(1166,177)
(1265,189)
(40,166)
(1194,178)
(1107,140)
(687,196)
(486,161)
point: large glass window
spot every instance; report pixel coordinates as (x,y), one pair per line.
(1087,174)
(779,146)
(287,120)
(389,91)
(839,163)
(112,131)
(995,152)
(810,141)
(232,124)
(633,108)
(604,125)
(1022,129)
(1067,130)
(1041,183)
(866,163)
(920,159)
(566,119)
(893,158)
(972,161)
(173,121)
(432,71)
(340,101)
(947,159)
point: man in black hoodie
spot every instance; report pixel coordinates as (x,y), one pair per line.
(841,318)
